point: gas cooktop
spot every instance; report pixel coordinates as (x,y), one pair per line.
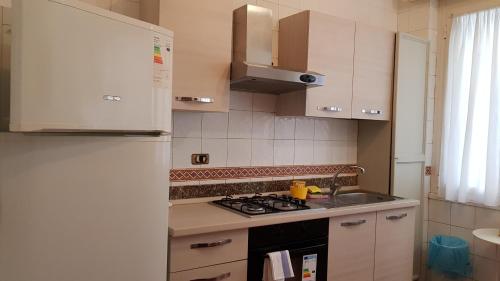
(261,205)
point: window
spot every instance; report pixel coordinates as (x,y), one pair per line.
(470,154)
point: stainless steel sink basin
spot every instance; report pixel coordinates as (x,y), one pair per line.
(354,198)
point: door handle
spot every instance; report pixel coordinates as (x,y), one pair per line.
(211,244)
(216,278)
(330,108)
(352,223)
(396,217)
(372,111)
(196,99)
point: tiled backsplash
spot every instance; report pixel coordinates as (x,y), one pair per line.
(252,135)
(447,218)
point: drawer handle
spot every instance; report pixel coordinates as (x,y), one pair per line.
(353,223)
(330,108)
(217,278)
(196,99)
(371,111)
(211,244)
(393,218)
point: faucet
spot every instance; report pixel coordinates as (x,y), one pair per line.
(337,186)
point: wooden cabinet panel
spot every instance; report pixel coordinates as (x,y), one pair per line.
(394,245)
(233,271)
(325,44)
(351,247)
(207,249)
(202,51)
(373,73)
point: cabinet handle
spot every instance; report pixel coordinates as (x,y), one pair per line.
(217,278)
(196,99)
(330,108)
(371,111)
(111,98)
(393,218)
(211,244)
(352,223)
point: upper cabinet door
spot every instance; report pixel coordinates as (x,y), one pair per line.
(373,73)
(202,55)
(322,43)
(331,51)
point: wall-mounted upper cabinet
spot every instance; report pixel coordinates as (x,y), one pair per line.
(325,44)
(373,73)
(357,60)
(202,56)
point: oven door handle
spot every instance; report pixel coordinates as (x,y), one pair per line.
(216,278)
(211,244)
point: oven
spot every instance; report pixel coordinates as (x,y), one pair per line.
(307,242)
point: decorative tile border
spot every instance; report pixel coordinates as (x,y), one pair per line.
(214,190)
(178,175)
(428,170)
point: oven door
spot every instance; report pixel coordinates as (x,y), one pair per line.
(302,270)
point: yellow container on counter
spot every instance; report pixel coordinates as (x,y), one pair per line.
(298,190)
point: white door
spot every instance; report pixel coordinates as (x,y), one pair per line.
(409,125)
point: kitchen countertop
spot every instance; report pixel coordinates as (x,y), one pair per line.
(199,218)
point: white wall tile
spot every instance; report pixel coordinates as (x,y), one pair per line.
(262,152)
(462,215)
(284,128)
(439,211)
(239,152)
(465,234)
(214,125)
(217,150)
(240,100)
(304,152)
(240,124)
(435,228)
(264,102)
(182,148)
(486,218)
(283,152)
(323,152)
(304,128)
(187,124)
(264,125)
(485,269)
(324,129)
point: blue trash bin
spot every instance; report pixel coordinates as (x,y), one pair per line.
(450,256)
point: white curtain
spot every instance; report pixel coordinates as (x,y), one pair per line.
(470,154)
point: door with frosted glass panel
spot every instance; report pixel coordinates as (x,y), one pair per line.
(409,107)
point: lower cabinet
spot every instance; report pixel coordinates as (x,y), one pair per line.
(394,245)
(372,246)
(233,271)
(351,247)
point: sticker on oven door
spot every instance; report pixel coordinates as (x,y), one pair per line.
(309,263)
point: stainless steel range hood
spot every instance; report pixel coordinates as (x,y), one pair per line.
(251,67)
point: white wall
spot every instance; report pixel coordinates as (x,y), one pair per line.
(251,135)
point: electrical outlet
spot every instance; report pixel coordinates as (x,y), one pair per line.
(200,159)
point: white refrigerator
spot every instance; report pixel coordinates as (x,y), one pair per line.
(83,208)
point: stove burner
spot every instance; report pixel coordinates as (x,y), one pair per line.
(260,204)
(253,209)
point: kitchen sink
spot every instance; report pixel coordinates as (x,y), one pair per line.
(353,198)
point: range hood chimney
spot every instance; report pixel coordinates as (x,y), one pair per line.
(251,67)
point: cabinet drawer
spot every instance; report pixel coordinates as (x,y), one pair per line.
(207,249)
(350,247)
(233,271)
(394,246)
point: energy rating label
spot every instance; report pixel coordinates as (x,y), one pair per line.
(309,263)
